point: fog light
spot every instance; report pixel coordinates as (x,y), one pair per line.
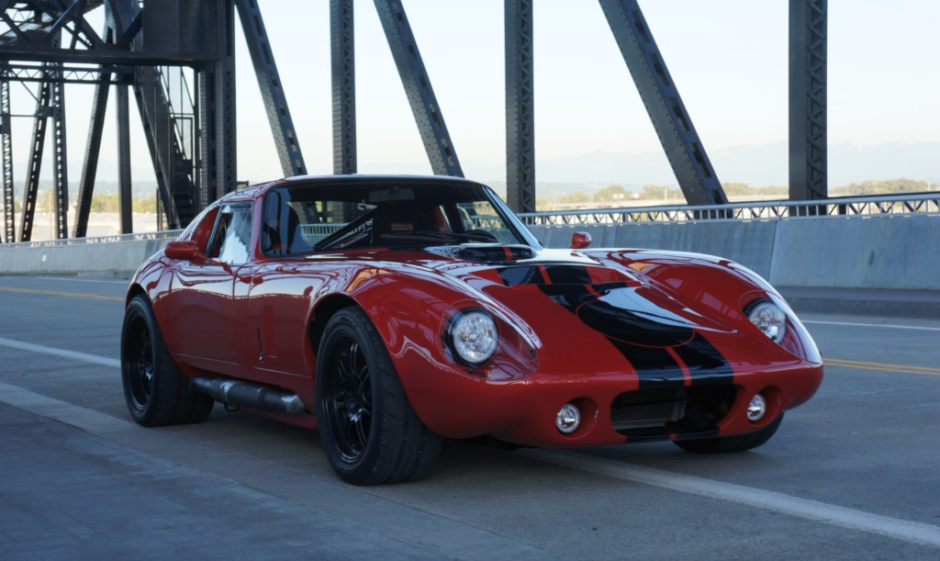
(757,408)
(568,419)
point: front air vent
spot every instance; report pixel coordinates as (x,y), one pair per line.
(647,408)
(663,411)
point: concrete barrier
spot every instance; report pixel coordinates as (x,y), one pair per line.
(877,252)
(881,252)
(119,259)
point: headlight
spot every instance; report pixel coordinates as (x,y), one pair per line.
(473,335)
(770,319)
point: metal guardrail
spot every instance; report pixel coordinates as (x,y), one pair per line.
(162,235)
(925,204)
(849,207)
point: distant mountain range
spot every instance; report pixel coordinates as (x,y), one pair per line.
(758,166)
(755,165)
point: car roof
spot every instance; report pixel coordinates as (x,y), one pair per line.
(255,191)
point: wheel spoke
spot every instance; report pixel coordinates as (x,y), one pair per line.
(361,432)
(353,357)
(350,434)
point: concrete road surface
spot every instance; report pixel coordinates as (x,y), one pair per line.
(853,474)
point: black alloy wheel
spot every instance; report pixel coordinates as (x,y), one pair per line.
(370,433)
(157,393)
(348,399)
(140,364)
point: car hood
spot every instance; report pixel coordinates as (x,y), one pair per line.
(603,307)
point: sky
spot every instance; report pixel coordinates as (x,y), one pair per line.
(729,59)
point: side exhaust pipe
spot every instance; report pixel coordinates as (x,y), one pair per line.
(247,394)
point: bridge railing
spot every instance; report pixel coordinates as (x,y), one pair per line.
(164,234)
(847,207)
(924,204)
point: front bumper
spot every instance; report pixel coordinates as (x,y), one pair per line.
(523,411)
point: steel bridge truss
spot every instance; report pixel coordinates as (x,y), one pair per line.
(808,92)
(191,136)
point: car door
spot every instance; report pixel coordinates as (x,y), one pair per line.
(201,302)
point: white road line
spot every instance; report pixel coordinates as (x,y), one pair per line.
(843,517)
(70,279)
(74,355)
(915,327)
(906,530)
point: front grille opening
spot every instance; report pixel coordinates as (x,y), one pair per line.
(662,411)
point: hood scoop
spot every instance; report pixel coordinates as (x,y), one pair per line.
(486,253)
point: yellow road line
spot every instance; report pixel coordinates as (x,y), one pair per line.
(883,367)
(53,293)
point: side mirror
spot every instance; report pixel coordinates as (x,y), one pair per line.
(185,250)
(580,240)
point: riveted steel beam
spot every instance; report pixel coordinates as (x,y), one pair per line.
(414,78)
(658,91)
(343,55)
(124,160)
(36,147)
(520,107)
(808,137)
(59,154)
(86,188)
(272,89)
(9,226)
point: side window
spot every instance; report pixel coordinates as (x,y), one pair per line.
(231,241)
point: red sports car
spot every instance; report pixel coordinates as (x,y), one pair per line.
(391,312)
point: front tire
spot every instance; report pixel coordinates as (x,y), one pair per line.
(157,393)
(739,443)
(370,432)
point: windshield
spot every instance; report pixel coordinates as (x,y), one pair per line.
(307,218)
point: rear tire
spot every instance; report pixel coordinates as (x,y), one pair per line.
(725,444)
(157,393)
(370,432)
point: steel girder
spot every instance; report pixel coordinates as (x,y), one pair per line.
(414,78)
(520,107)
(223,104)
(70,75)
(155,117)
(808,137)
(35,160)
(6,130)
(33,29)
(272,89)
(124,160)
(343,67)
(59,154)
(672,122)
(216,115)
(99,108)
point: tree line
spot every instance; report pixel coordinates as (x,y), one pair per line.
(617,193)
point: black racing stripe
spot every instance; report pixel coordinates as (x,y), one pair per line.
(521,275)
(625,325)
(705,363)
(568,274)
(655,367)
(568,295)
